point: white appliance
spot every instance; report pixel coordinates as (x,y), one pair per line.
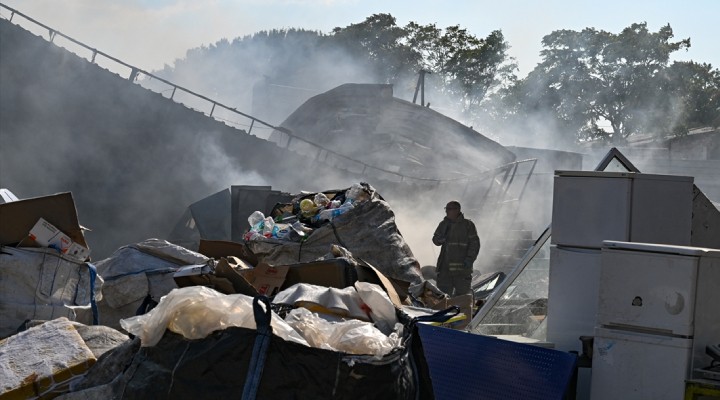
(589,207)
(572,295)
(658,307)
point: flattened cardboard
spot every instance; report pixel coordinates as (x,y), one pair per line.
(261,280)
(17,218)
(267,279)
(201,275)
(218,249)
(337,273)
(238,281)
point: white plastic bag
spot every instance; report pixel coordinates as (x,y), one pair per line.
(382,310)
(351,336)
(197,311)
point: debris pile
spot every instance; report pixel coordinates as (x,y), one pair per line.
(321,285)
(357,218)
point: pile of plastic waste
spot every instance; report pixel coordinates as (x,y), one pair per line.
(294,221)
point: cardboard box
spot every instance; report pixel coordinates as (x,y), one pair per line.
(331,273)
(218,249)
(264,279)
(465,302)
(47,235)
(202,275)
(268,280)
(19,217)
(239,283)
(337,273)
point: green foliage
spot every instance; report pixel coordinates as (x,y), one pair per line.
(468,68)
(695,89)
(380,43)
(465,67)
(590,79)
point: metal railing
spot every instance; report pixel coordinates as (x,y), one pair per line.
(321,153)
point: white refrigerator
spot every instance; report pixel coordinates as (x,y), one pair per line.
(658,307)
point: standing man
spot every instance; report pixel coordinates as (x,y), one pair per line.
(460,247)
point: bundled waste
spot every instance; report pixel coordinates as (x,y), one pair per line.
(357,218)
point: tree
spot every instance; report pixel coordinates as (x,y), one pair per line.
(469,68)
(694,90)
(591,77)
(379,42)
(303,63)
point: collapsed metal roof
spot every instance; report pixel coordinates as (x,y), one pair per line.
(365,122)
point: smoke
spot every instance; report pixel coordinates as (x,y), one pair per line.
(134,161)
(268,74)
(218,169)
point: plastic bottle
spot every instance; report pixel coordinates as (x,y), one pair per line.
(332,213)
(268,225)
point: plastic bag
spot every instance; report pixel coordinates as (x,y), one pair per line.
(255,219)
(196,311)
(382,310)
(321,200)
(268,226)
(257,222)
(357,193)
(351,336)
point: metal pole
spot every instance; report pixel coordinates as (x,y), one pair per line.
(417,86)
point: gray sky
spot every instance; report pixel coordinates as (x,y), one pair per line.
(151,33)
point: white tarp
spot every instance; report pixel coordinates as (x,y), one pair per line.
(136,271)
